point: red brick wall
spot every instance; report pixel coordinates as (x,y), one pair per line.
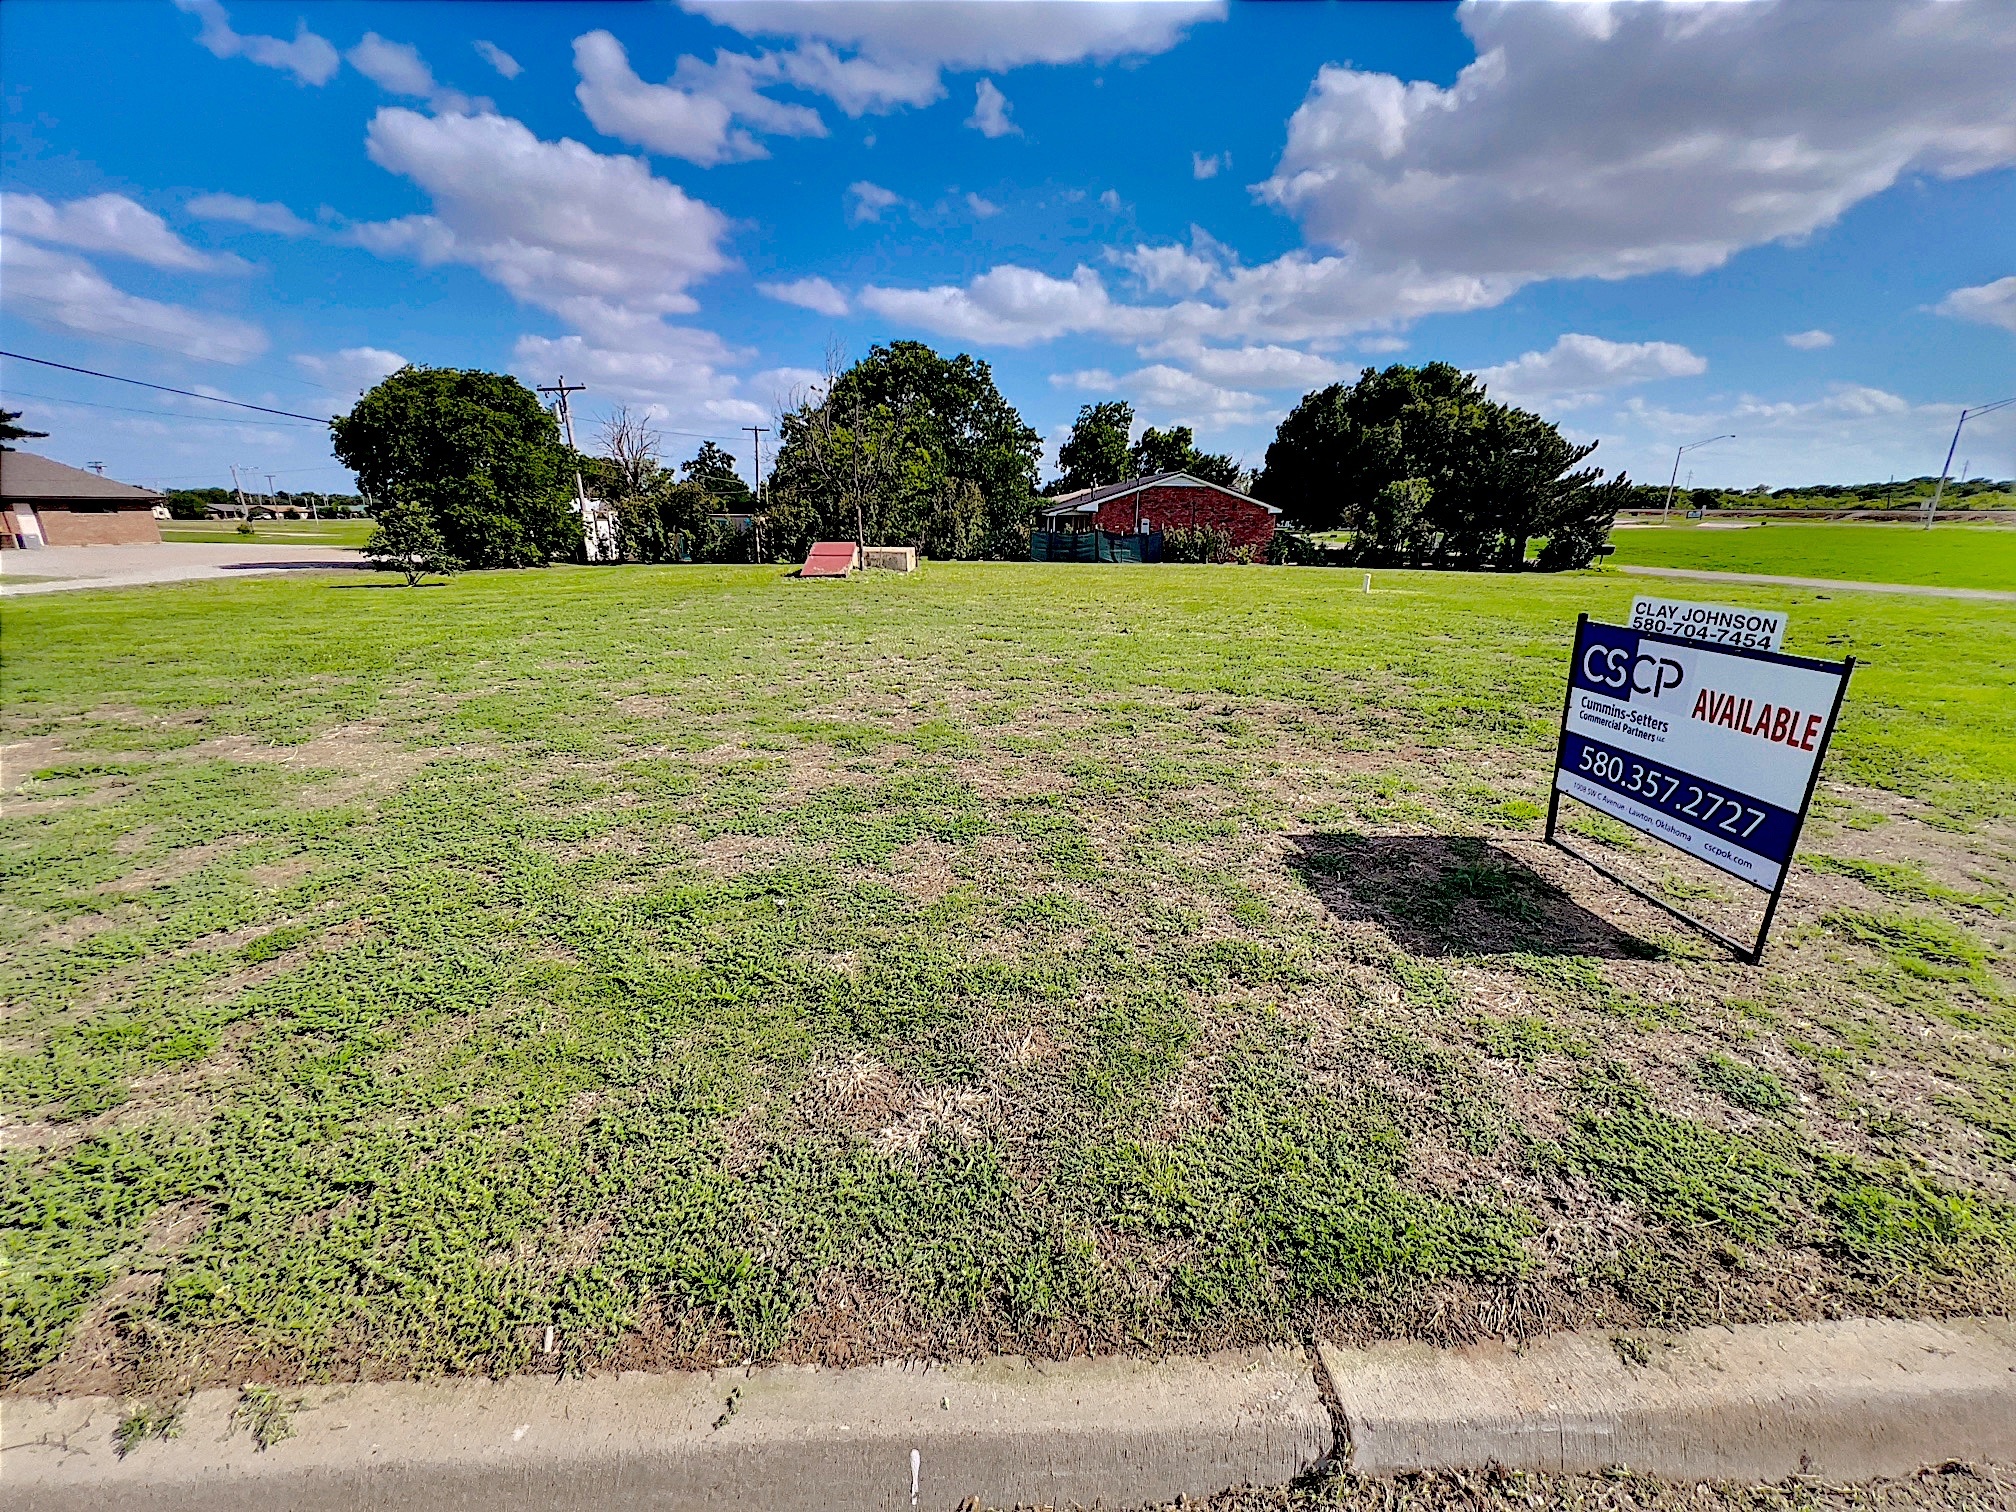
(111,527)
(1175,506)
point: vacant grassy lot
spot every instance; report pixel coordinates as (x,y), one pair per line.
(1946,556)
(278,532)
(707,965)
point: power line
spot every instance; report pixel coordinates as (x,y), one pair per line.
(154,346)
(162,387)
(128,409)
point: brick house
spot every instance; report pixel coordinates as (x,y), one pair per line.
(48,504)
(1144,508)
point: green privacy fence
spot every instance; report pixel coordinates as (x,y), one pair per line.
(1094,546)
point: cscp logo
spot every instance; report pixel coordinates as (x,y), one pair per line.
(1625,669)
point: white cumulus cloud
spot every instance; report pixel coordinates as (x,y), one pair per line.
(311,59)
(1202,167)
(1171,395)
(353,369)
(397,68)
(260,215)
(894,53)
(870,200)
(1585,141)
(990,112)
(108,223)
(1809,341)
(693,115)
(815,294)
(673,374)
(499,59)
(558,224)
(61,291)
(1577,367)
(595,238)
(1613,141)
(1990,303)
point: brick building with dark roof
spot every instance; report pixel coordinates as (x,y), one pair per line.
(48,504)
(1147,507)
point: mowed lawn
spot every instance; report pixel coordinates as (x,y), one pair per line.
(707,965)
(275,532)
(1949,555)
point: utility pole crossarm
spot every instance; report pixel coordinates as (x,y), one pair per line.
(1932,509)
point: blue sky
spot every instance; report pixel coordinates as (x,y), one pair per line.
(1654,223)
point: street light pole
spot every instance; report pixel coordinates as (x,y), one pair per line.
(1666,509)
(1932,509)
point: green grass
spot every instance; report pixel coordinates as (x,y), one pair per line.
(707,966)
(274,532)
(1947,556)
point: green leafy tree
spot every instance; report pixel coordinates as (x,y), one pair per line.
(712,470)
(406,540)
(1395,526)
(477,452)
(1495,476)
(1175,450)
(1096,452)
(1582,523)
(9,431)
(905,447)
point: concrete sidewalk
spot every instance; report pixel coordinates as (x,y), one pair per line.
(1915,590)
(58,569)
(1848,1400)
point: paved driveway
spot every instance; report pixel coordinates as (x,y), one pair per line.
(56,568)
(1919,590)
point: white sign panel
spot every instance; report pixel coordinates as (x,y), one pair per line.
(1718,624)
(1710,749)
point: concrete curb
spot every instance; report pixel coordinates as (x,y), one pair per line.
(1006,1431)
(1849,1400)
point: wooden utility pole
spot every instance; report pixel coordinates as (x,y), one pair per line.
(757,433)
(562,389)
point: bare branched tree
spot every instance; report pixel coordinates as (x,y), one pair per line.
(632,449)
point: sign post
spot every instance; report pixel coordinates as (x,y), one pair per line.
(1714,749)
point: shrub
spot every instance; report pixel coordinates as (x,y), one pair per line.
(407,541)
(1294,548)
(1196,543)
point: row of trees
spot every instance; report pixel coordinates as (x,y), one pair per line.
(1098,452)
(908,446)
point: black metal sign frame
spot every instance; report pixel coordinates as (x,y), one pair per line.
(1753,953)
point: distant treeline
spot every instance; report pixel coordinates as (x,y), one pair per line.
(199,503)
(1900,493)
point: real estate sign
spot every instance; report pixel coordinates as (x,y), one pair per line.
(1718,624)
(1710,748)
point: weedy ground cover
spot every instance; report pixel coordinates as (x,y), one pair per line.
(1953,554)
(692,964)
